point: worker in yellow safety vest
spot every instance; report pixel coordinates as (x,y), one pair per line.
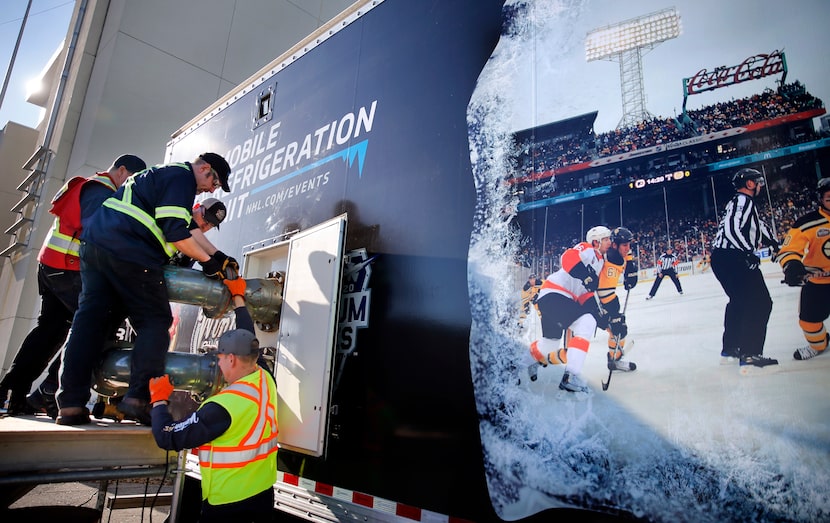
(234,431)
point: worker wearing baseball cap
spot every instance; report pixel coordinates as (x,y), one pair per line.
(234,431)
(125,246)
(206,215)
(59,285)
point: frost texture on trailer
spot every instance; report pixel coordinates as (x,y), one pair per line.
(682,438)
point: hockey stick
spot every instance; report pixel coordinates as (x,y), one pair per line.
(605,384)
(811,275)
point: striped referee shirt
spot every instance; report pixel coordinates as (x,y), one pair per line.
(666,261)
(741,228)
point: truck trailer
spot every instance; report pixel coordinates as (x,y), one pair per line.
(372,165)
(380,183)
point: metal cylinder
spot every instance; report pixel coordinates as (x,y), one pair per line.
(263,297)
(197,374)
(194,288)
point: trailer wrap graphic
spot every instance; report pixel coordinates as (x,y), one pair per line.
(411,131)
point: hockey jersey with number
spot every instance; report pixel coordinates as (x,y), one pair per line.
(609,279)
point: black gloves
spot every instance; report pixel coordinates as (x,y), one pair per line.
(230,267)
(617,326)
(587,275)
(630,276)
(220,266)
(752,261)
(794,273)
(212,269)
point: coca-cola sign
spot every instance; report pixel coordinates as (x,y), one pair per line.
(754,67)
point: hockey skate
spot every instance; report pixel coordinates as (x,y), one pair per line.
(572,383)
(620,364)
(756,365)
(729,356)
(805,353)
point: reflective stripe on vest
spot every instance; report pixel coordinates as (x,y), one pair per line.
(125,205)
(62,245)
(254,445)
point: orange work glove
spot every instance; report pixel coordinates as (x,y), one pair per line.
(160,388)
(237,286)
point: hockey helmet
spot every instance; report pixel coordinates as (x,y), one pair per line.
(621,235)
(740,178)
(597,233)
(822,187)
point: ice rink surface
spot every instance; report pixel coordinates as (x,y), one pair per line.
(682,438)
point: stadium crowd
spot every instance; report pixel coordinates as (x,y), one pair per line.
(585,146)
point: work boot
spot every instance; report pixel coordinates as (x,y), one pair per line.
(73,416)
(135,409)
(14,404)
(43,401)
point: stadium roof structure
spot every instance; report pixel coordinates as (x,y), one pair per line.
(576,125)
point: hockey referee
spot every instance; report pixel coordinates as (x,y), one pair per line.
(666,264)
(736,266)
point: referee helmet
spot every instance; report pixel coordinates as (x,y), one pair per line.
(744,175)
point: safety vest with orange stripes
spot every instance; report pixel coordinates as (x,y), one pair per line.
(242,461)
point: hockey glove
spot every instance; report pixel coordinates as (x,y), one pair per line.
(752,261)
(630,276)
(587,275)
(617,326)
(794,273)
(160,388)
(237,286)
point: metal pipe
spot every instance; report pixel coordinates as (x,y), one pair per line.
(83,475)
(263,297)
(198,374)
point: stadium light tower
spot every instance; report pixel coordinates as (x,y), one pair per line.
(624,42)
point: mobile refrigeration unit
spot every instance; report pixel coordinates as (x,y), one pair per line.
(369,179)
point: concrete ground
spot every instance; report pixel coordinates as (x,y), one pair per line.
(76,503)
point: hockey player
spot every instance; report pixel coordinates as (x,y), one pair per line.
(567,302)
(529,292)
(805,258)
(618,262)
(704,262)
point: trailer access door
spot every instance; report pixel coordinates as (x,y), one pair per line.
(313,262)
